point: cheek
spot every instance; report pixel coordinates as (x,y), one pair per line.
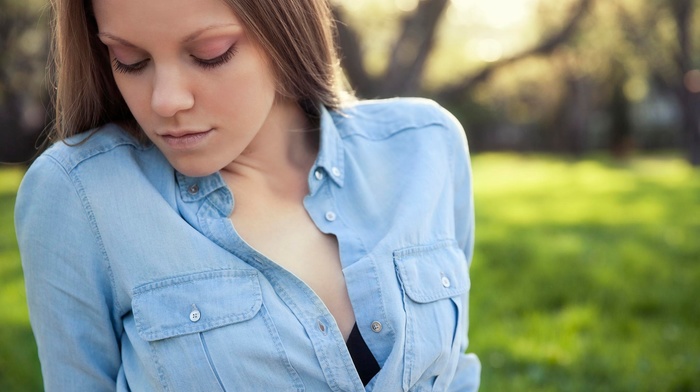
(250,79)
(244,93)
(136,95)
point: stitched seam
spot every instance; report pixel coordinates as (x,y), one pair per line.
(184,279)
(73,164)
(376,138)
(433,245)
(366,112)
(159,367)
(279,346)
(246,314)
(453,153)
(87,208)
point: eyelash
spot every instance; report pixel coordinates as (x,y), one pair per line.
(205,64)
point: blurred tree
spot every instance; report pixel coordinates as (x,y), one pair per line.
(550,41)
(408,57)
(410,51)
(682,11)
(23,96)
(597,77)
(579,74)
(405,72)
(661,32)
(621,141)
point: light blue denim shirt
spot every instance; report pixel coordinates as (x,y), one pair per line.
(137,280)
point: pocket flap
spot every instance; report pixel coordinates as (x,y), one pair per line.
(432,272)
(195,303)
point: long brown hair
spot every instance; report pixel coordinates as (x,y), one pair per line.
(297,36)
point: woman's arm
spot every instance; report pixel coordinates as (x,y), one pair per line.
(468,374)
(68,282)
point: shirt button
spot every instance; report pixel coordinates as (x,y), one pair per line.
(446,282)
(194,314)
(330,216)
(376,326)
(194,188)
(318,173)
(335,171)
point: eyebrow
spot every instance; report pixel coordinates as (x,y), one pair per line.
(187,39)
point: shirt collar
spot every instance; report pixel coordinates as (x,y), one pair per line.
(331,154)
(197,188)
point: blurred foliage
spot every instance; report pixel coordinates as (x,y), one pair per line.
(616,82)
(24,47)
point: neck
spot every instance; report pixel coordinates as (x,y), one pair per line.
(281,154)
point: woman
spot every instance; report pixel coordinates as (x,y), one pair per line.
(218,219)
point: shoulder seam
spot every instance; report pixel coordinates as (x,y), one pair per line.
(71,162)
(419,113)
(380,137)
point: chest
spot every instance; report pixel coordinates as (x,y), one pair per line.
(287,235)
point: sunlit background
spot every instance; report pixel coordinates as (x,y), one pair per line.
(583,117)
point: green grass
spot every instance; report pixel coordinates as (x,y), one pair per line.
(586,274)
(586,277)
(19,364)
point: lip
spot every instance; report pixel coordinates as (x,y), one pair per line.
(184,139)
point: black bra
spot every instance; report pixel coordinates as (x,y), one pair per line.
(367,367)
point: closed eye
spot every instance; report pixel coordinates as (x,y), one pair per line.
(129,68)
(218,60)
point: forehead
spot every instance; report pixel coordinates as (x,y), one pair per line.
(162,19)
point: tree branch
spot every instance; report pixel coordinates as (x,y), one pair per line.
(547,46)
(351,56)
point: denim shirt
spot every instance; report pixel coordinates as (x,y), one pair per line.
(137,280)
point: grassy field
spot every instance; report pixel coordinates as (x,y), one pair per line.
(19,366)
(586,277)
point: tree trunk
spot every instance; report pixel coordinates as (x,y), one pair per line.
(351,57)
(410,52)
(571,124)
(689,101)
(621,140)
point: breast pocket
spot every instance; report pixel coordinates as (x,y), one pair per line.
(434,280)
(211,331)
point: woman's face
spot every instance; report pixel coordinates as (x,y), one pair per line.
(198,86)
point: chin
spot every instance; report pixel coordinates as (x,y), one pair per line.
(191,170)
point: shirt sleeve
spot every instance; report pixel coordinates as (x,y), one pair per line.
(464,195)
(468,374)
(69,292)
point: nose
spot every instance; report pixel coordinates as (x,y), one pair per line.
(171,92)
